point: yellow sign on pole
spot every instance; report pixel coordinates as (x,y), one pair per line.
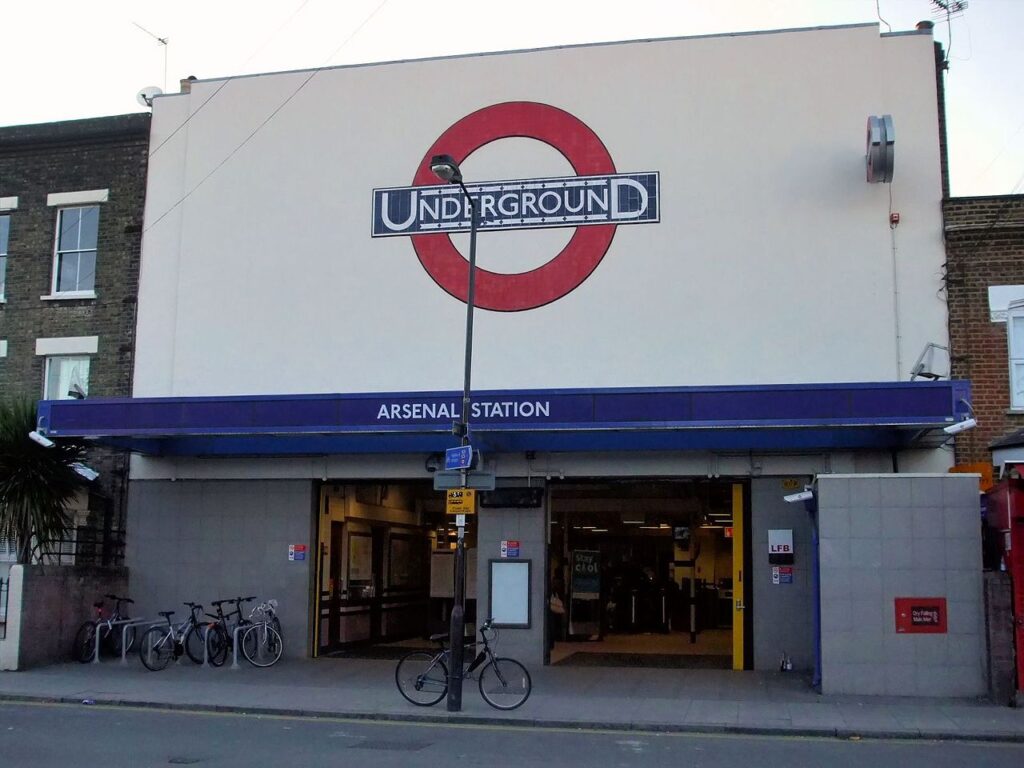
(461,501)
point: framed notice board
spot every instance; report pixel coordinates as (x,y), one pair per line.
(508,595)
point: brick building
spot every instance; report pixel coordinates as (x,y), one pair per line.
(985,293)
(71,203)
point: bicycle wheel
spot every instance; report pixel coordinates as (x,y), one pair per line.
(262,645)
(505,683)
(193,643)
(85,642)
(156,648)
(217,644)
(422,678)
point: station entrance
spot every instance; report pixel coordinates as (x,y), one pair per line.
(384,570)
(648,573)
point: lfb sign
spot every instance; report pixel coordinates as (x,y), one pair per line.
(594,201)
(780,546)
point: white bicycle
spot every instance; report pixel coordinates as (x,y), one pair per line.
(262,643)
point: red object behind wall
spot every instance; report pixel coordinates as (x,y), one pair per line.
(1006,516)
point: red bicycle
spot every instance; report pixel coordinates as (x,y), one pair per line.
(110,632)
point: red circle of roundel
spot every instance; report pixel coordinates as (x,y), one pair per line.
(581,255)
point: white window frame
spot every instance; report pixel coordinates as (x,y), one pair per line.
(48,373)
(57,253)
(3,256)
(1015,311)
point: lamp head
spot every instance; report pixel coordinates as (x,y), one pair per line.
(446,169)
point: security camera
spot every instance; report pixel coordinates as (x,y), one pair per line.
(793,498)
(960,426)
(88,473)
(43,440)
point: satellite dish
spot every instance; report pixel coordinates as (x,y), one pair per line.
(146,95)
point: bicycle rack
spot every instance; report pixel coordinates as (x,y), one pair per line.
(234,660)
(124,635)
(111,625)
(234,651)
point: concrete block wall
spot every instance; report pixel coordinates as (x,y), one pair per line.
(889,536)
(206,540)
(529,527)
(46,606)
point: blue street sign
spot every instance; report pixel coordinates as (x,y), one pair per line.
(458,458)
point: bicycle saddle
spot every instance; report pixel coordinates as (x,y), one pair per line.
(165,614)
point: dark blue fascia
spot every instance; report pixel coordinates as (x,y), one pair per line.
(885,415)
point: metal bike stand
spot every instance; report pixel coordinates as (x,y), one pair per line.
(110,626)
(124,635)
(234,660)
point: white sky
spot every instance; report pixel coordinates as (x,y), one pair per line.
(67,59)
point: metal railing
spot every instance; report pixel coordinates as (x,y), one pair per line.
(86,546)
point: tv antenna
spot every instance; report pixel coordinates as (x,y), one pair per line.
(949,9)
(162,41)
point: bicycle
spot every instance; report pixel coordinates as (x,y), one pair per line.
(422,677)
(220,635)
(261,643)
(84,647)
(161,644)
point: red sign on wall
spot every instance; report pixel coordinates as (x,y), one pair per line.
(921,615)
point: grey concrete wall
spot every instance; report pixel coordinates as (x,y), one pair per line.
(782,613)
(52,603)
(207,540)
(889,536)
(529,527)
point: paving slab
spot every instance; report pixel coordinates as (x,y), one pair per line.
(610,698)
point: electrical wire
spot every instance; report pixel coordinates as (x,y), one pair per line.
(313,73)
(878,11)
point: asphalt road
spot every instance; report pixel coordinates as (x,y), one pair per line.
(37,735)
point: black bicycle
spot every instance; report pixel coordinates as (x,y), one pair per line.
(422,677)
(220,632)
(110,633)
(161,644)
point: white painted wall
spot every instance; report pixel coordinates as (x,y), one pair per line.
(771,264)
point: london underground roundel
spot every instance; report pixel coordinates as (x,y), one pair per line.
(594,201)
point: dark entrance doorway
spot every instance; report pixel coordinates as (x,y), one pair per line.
(646,572)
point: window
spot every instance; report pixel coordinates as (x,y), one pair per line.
(66,378)
(1015,334)
(5,230)
(75,262)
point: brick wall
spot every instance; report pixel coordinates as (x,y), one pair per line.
(984,247)
(36,160)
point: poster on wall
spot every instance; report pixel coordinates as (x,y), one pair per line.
(360,557)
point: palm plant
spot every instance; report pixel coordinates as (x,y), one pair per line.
(36,483)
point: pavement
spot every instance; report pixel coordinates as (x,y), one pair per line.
(604,698)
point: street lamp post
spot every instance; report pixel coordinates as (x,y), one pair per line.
(446,169)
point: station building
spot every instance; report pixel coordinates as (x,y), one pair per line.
(694,296)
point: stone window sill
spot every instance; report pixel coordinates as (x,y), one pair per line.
(69,296)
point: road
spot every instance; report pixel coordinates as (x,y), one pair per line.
(45,735)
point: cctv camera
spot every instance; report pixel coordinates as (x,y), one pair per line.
(793,498)
(960,426)
(88,473)
(43,440)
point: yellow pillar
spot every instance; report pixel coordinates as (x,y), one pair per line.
(737,576)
